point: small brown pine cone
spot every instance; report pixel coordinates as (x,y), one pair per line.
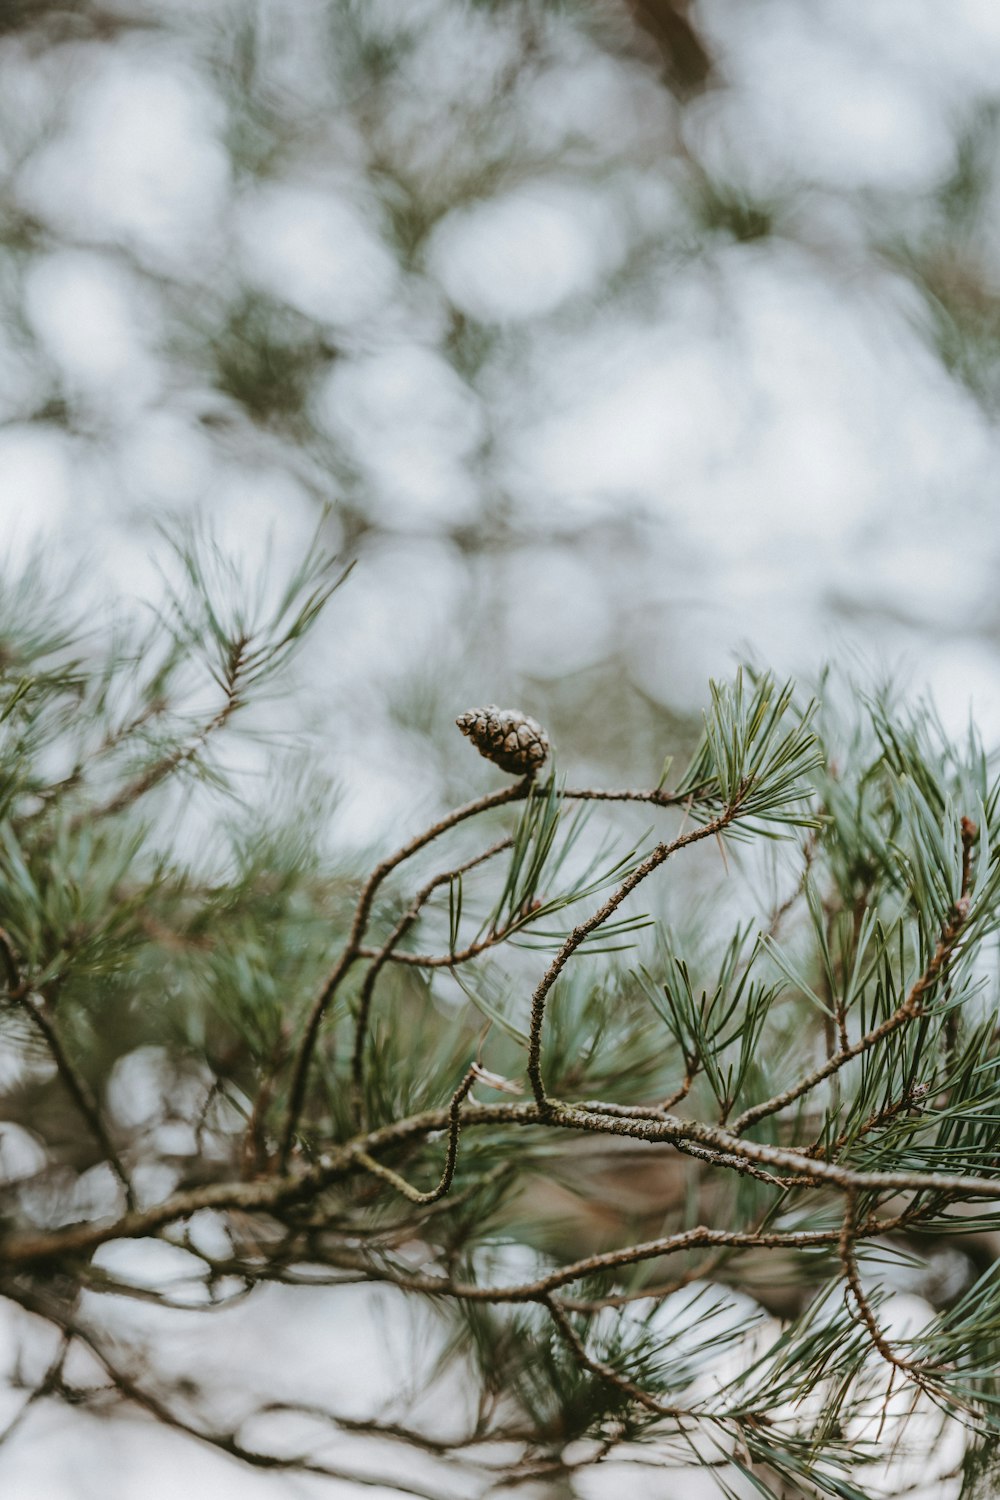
(510,739)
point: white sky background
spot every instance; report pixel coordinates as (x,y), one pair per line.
(777,454)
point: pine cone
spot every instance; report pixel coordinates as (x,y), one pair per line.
(510,739)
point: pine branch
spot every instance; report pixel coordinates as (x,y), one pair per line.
(894,881)
(355,949)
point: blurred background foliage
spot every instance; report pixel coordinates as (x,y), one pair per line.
(620,335)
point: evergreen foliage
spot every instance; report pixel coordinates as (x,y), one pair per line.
(816,1090)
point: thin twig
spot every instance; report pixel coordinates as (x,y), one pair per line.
(492,939)
(605,1371)
(35,1008)
(655,796)
(848,1260)
(583,930)
(910,1008)
(51,1381)
(381,955)
(451,1155)
(49,797)
(180,755)
(351,952)
(875,1120)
